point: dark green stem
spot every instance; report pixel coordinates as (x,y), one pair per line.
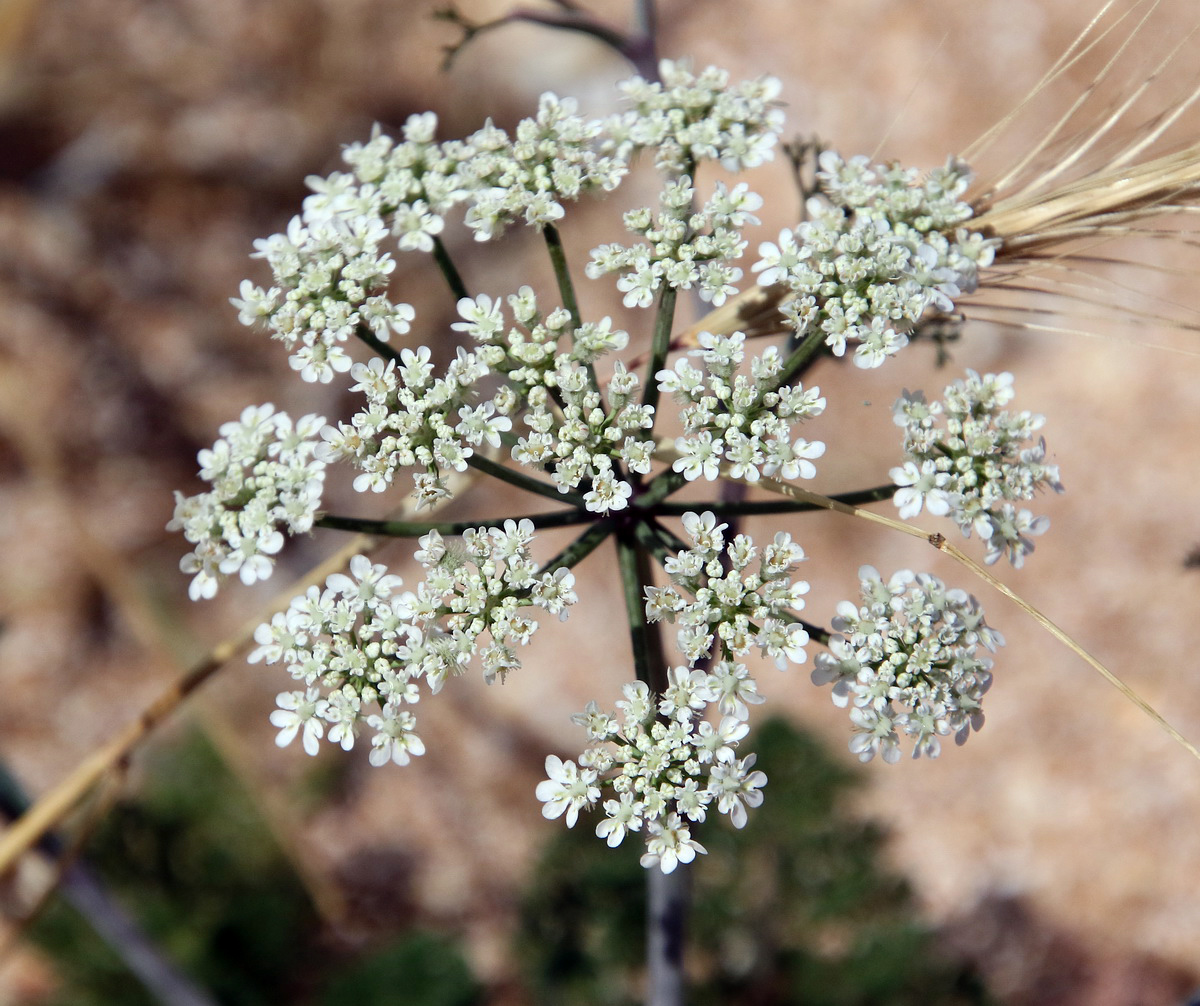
(659,540)
(660,487)
(862,496)
(648,659)
(800,359)
(453,279)
(581,547)
(558,258)
(566,289)
(750,508)
(815,632)
(416,528)
(660,344)
(522,481)
(377,344)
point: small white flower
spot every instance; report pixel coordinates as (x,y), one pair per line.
(623,816)
(920,487)
(736,788)
(699,456)
(368,582)
(607,493)
(567,790)
(300,710)
(669,843)
(395,741)
(706,534)
(792,461)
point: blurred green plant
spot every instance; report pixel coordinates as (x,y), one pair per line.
(795,908)
(194,862)
(424,970)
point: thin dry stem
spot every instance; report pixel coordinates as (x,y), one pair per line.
(1039,148)
(1154,129)
(921,79)
(1087,289)
(1031,219)
(939,542)
(1061,66)
(105,800)
(1003,319)
(57,802)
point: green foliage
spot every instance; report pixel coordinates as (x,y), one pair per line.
(424,970)
(793,909)
(193,862)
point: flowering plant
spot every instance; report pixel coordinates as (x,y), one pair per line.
(540,396)
(681,448)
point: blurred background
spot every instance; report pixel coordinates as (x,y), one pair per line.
(144,144)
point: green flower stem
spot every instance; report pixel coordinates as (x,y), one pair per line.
(451,274)
(803,356)
(815,632)
(581,547)
(558,258)
(659,488)
(566,289)
(862,496)
(522,481)
(660,344)
(377,344)
(750,508)
(648,659)
(658,540)
(416,528)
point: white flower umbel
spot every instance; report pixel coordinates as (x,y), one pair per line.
(906,663)
(880,247)
(366,645)
(264,476)
(728,608)
(664,761)
(531,393)
(681,248)
(742,420)
(975,463)
(329,269)
(689,117)
(663,764)
(330,280)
